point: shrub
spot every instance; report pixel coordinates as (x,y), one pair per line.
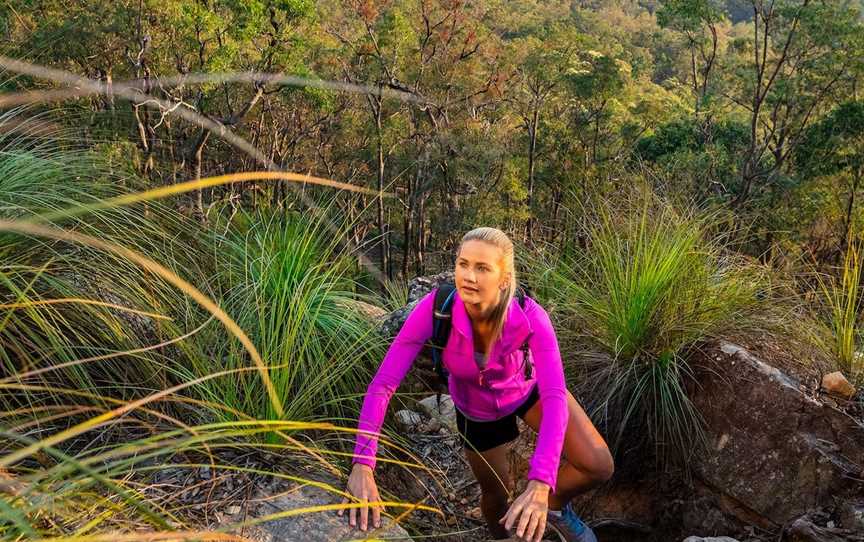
(650,285)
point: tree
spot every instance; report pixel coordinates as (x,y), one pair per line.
(693,18)
(835,146)
(800,53)
(542,63)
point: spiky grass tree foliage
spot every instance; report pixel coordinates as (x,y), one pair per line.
(89,407)
(650,284)
(845,304)
(62,302)
(290,287)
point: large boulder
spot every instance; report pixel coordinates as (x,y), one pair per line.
(776,450)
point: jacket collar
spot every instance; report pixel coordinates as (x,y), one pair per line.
(517,327)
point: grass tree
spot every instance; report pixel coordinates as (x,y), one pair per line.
(651,285)
(88,407)
(288,284)
(845,303)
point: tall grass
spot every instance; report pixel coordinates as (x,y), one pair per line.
(62,302)
(651,284)
(844,300)
(290,287)
(104,360)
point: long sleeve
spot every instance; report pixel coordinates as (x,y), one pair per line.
(415,332)
(553,398)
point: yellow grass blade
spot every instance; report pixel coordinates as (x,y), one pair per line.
(82,301)
(189,186)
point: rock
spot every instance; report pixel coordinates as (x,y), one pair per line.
(710,539)
(835,383)
(419,287)
(445,415)
(804,530)
(433,426)
(775,452)
(408,418)
(314,526)
(421,377)
(852,515)
(374,313)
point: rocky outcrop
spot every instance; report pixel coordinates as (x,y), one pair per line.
(776,450)
(781,457)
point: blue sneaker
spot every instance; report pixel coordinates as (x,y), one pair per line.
(569,527)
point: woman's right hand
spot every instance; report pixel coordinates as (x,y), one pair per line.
(361,484)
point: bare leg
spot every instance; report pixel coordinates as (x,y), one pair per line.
(587,460)
(492,470)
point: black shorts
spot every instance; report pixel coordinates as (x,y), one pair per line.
(482,436)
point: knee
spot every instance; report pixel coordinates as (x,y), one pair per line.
(603,467)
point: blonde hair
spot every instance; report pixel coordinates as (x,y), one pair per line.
(497,238)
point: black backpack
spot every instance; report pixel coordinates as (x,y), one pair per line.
(441,324)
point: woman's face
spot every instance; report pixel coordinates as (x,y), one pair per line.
(480,273)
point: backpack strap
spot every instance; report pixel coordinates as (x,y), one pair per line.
(521,293)
(441,324)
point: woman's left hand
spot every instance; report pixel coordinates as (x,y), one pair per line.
(529,510)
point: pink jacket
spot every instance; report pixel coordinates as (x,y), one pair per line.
(503,387)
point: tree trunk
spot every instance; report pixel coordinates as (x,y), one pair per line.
(406,224)
(383,229)
(420,267)
(850,208)
(532,150)
(198,160)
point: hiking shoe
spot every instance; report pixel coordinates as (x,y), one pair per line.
(569,527)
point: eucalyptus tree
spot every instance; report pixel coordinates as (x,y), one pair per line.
(698,21)
(800,55)
(834,146)
(544,60)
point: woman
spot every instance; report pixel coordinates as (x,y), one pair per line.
(489,389)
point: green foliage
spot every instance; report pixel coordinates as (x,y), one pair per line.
(845,303)
(702,159)
(597,78)
(689,15)
(688,135)
(650,285)
(835,143)
(289,288)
